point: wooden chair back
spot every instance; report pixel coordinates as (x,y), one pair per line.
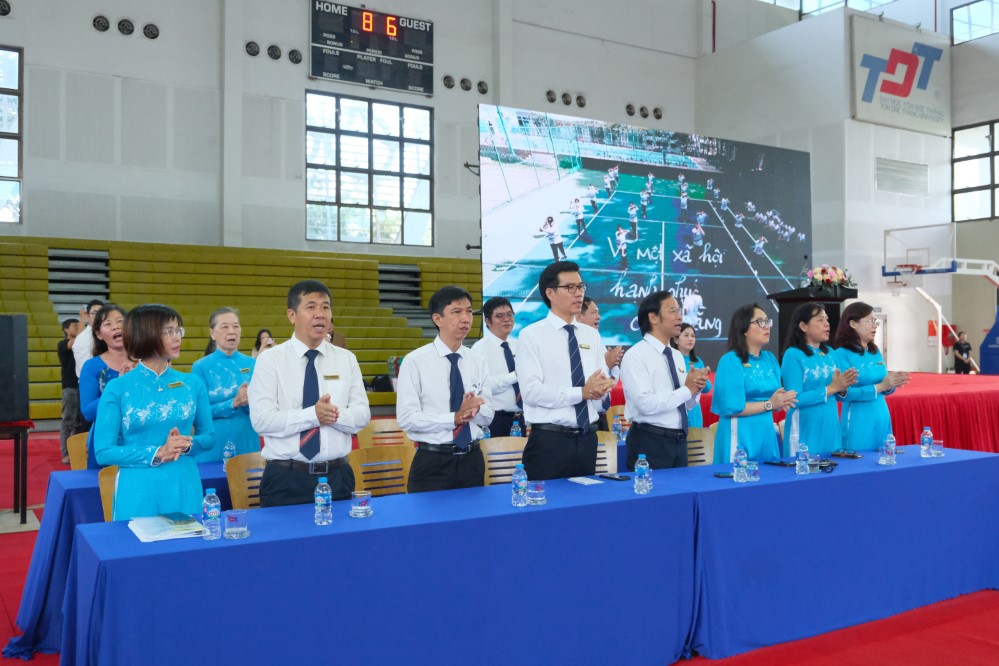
(700,446)
(382,432)
(616,410)
(107,479)
(243,472)
(606,453)
(382,469)
(77,448)
(501,455)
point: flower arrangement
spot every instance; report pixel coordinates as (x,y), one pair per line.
(827,276)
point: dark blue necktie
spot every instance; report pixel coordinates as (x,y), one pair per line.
(463,433)
(511,367)
(576,372)
(676,384)
(308,444)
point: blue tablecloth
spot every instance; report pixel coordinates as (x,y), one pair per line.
(456,577)
(72,498)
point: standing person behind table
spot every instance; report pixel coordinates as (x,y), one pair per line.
(145,419)
(72,421)
(589,314)
(658,390)
(563,379)
(684,343)
(962,354)
(307,400)
(263,342)
(499,350)
(747,390)
(808,367)
(443,400)
(85,337)
(227,373)
(864,419)
(110,360)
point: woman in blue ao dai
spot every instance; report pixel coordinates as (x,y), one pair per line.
(808,367)
(864,421)
(109,360)
(226,373)
(747,390)
(684,343)
(145,419)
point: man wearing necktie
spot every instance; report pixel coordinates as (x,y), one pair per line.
(657,388)
(563,379)
(499,350)
(307,400)
(590,315)
(440,400)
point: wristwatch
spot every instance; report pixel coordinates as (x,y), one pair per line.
(769,406)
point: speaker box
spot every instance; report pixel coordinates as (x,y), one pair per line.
(13,367)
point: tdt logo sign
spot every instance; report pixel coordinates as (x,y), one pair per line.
(919,61)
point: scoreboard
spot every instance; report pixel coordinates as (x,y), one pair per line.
(358,45)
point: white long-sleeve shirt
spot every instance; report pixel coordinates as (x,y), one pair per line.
(501,380)
(275,396)
(648,389)
(83,348)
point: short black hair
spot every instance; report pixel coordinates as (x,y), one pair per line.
(795,336)
(587,302)
(93,302)
(304,287)
(742,319)
(650,305)
(846,336)
(444,297)
(66,323)
(143,332)
(549,277)
(490,306)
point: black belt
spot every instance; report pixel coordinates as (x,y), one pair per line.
(673,433)
(565,430)
(517,413)
(315,467)
(449,448)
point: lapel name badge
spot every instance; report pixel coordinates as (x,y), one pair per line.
(584,346)
(175,384)
(244,369)
(331,376)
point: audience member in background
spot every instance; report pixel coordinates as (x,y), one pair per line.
(443,400)
(658,389)
(864,420)
(307,400)
(335,337)
(563,379)
(264,341)
(684,343)
(499,350)
(109,361)
(962,354)
(226,374)
(809,368)
(72,421)
(590,315)
(748,390)
(145,419)
(85,338)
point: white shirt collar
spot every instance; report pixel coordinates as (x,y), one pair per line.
(557,322)
(654,341)
(493,338)
(300,347)
(444,350)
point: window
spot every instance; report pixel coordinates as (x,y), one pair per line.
(974,20)
(369,171)
(821,6)
(974,166)
(11,90)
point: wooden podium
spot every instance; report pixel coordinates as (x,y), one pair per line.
(787,301)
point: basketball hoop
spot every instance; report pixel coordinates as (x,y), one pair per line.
(906,270)
(905,276)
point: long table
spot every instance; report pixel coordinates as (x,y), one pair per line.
(452,577)
(72,499)
(460,576)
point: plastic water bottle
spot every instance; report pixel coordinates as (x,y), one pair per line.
(485,433)
(801,459)
(519,486)
(324,502)
(926,443)
(515,429)
(739,466)
(643,476)
(793,437)
(624,434)
(228,451)
(211,516)
(890,445)
(616,427)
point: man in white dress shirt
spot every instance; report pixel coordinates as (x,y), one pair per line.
(563,378)
(590,315)
(307,400)
(442,400)
(83,346)
(500,351)
(657,388)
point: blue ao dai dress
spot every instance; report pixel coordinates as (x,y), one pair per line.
(736,384)
(695,418)
(818,415)
(864,421)
(223,375)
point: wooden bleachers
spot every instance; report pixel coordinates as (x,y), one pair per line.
(196,280)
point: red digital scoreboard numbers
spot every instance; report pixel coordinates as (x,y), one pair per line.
(367,47)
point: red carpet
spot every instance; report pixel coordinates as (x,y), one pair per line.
(959,631)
